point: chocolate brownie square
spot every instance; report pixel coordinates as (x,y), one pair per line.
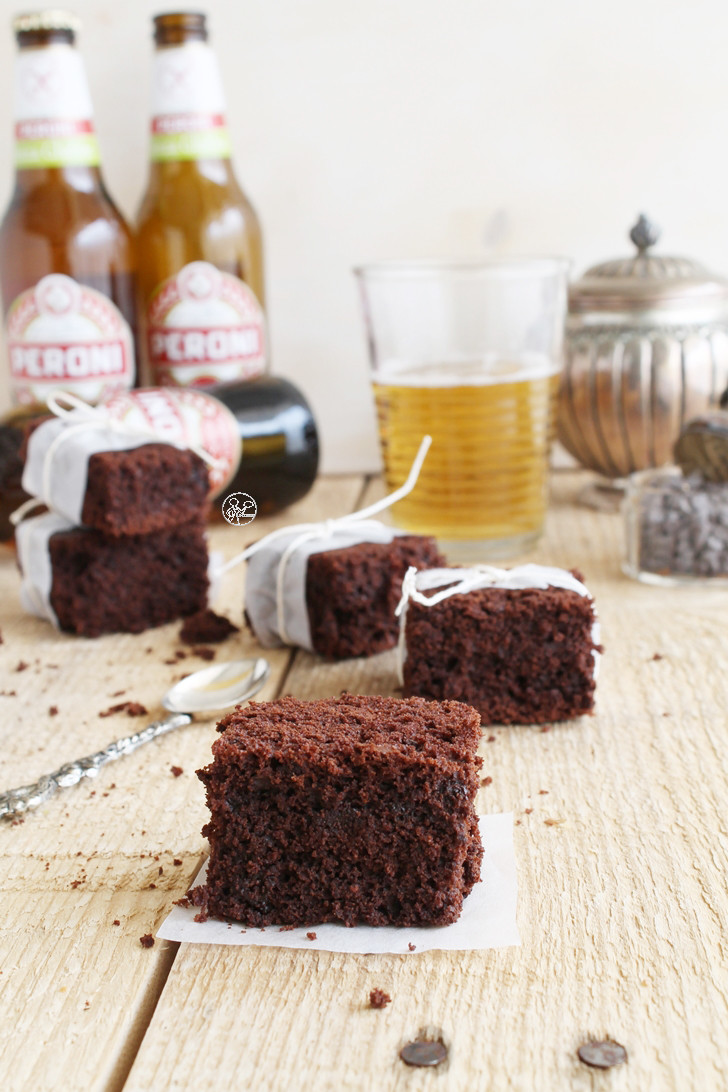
(126,584)
(356,809)
(518,656)
(144,489)
(352,594)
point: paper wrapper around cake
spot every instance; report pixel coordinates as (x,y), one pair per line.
(340,593)
(89,583)
(519,656)
(358,809)
(115,483)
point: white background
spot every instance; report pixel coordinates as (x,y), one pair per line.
(370,129)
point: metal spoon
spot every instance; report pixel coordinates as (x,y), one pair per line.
(215,687)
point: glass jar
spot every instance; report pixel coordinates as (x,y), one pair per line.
(676,528)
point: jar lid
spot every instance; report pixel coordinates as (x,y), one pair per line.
(647,280)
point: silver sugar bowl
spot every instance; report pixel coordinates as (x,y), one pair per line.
(646,350)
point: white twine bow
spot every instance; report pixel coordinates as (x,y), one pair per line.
(82,417)
(326,529)
(462,581)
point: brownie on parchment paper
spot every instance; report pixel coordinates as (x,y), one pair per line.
(104,584)
(144,489)
(352,594)
(352,809)
(519,657)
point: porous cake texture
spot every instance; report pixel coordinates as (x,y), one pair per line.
(104,584)
(144,489)
(356,810)
(352,594)
(518,657)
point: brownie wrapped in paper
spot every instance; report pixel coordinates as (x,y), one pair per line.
(123,470)
(521,645)
(89,583)
(334,594)
(332,587)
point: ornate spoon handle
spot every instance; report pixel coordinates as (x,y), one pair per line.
(16,801)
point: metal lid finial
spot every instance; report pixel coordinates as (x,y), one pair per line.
(644,234)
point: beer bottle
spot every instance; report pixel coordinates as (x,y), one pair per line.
(66,254)
(200,249)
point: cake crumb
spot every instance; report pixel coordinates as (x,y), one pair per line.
(9,693)
(131,708)
(200,918)
(53,711)
(311,936)
(176,771)
(554,822)
(543,792)
(519,823)
(490,739)
(528,810)
(207,627)
(176,861)
(147,940)
(204,653)
(411,946)
(118,694)
(658,656)
(378,999)
(22,666)
(116,922)
(160,871)
(487,781)
(286,928)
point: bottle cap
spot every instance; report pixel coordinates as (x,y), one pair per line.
(48,19)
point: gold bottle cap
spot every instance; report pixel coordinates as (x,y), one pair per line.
(48,19)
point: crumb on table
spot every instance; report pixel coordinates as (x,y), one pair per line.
(378,999)
(147,940)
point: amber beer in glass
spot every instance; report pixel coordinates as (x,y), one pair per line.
(66,255)
(200,249)
(469,353)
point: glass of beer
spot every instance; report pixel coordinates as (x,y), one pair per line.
(469,353)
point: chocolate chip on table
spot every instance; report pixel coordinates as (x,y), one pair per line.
(602,1054)
(378,999)
(423,1052)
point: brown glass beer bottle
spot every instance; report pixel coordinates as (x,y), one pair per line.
(200,250)
(66,255)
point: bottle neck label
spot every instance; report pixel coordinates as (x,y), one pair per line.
(188,105)
(205,326)
(64,335)
(53,113)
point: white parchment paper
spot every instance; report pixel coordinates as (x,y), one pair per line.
(262,575)
(488,919)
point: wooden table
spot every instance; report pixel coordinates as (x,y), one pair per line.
(622,902)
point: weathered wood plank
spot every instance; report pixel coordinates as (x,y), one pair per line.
(94,853)
(622,907)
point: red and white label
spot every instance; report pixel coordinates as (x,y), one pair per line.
(186,417)
(63,335)
(205,327)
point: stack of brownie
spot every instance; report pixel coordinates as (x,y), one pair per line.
(135,557)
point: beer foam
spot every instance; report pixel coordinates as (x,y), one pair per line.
(487,370)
